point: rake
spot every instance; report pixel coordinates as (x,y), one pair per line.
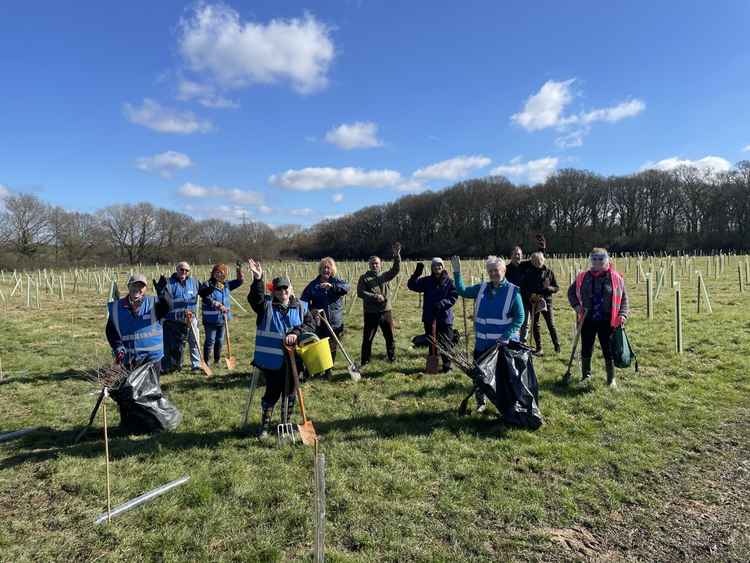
(194,329)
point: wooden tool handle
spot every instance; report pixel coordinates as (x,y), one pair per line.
(301,400)
(229,341)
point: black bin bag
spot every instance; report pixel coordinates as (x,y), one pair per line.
(505,374)
(143,407)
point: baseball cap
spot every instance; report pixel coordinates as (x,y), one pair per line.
(137,278)
(281,281)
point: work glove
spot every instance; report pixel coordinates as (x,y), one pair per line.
(160,285)
(420,268)
(456,263)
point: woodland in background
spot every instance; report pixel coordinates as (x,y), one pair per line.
(686,209)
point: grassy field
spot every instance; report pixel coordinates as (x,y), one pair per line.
(407,479)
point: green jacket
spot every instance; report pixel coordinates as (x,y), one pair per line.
(371,285)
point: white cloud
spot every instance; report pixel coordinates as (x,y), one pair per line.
(534,171)
(4,191)
(572,139)
(236,53)
(322,178)
(205,94)
(337,198)
(240,197)
(706,164)
(746,149)
(411,186)
(265,210)
(231,213)
(357,135)
(453,168)
(153,115)
(164,163)
(303,212)
(546,109)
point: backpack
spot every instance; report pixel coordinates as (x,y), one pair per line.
(621,351)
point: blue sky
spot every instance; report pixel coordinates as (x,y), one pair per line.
(290,112)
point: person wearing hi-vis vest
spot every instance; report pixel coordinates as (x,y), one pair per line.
(280,316)
(182,294)
(134,326)
(498,309)
(216,305)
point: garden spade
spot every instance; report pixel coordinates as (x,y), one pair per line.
(568,377)
(352,368)
(230,359)
(433,360)
(306,429)
(189,320)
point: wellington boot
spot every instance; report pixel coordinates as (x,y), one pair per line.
(585,368)
(611,381)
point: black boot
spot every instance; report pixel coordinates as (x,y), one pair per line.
(585,368)
(264,430)
(610,367)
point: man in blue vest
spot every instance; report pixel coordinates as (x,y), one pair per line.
(280,318)
(134,326)
(498,309)
(182,293)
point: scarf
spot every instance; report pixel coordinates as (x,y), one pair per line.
(618,288)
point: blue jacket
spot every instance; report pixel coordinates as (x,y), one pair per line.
(182,297)
(211,296)
(439,296)
(139,335)
(329,299)
(498,312)
(274,324)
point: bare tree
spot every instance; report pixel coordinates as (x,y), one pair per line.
(131,229)
(25,225)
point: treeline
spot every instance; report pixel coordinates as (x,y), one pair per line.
(686,209)
(35,234)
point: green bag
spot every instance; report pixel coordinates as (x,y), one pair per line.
(619,347)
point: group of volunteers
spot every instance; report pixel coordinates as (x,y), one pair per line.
(143,328)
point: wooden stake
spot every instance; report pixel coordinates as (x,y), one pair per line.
(739,275)
(106,450)
(678,318)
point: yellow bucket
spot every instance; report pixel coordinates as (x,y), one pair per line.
(316,356)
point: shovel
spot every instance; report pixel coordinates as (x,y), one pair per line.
(306,429)
(230,360)
(568,377)
(352,368)
(204,366)
(433,360)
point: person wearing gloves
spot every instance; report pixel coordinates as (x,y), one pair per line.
(216,304)
(538,287)
(498,309)
(280,318)
(599,298)
(439,297)
(182,294)
(374,290)
(134,328)
(327,292)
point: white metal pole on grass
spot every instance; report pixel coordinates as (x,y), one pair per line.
(144,498)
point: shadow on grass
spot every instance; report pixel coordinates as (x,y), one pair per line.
(394,370)
(42,377)
(193,381)
(574,389)
(447,389)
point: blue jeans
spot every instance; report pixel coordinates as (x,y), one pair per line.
(214,340)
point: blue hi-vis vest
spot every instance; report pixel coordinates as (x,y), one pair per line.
(270,332)
(491,314)
(140,334)
(183,298)
(211,315)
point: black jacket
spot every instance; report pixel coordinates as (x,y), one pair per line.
(533,282)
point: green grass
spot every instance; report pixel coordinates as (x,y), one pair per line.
(407,479)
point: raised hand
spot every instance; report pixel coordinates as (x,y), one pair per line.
(255,268)
(396,249)
(456,263)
